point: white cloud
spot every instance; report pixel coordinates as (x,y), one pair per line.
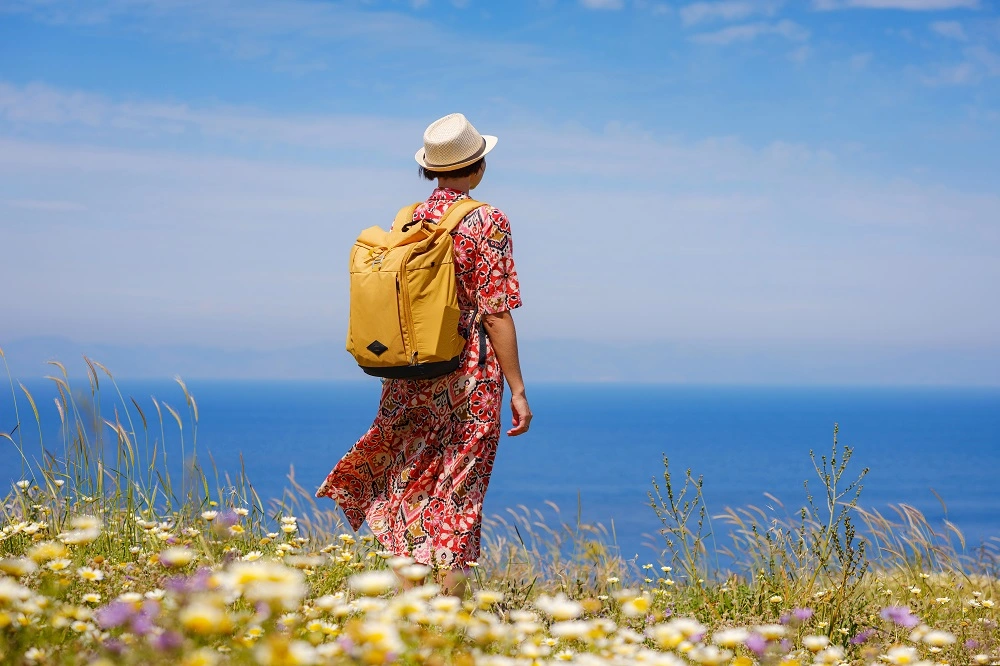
(654,8)
(860,61)
(603,4)
(986,59)
(951,75)
(755,243)
(751,31)
(907,5)
(980,63)
(725,10)
(293,35)
(950,29)
(46,205)
(800,55)
(37,104)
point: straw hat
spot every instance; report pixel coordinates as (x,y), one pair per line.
(451,143)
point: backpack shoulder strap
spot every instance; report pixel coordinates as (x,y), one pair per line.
(404,216)
(457,212)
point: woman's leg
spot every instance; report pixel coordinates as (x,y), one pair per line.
(454,582)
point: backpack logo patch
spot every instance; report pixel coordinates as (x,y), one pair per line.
(377,348)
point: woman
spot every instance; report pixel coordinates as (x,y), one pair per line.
(419,475)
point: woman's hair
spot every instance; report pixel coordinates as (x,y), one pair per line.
(462,172)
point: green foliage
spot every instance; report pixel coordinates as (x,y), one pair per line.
(98,521)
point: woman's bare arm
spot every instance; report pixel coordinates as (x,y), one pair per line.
(503,336)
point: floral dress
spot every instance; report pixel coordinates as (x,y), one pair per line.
(419,475)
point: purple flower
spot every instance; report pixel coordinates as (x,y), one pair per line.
(785,619)
(114,646)
(168,640)
(142,622)
(227,519)
(197,582)
(114,614)
(756,643)
(862,637)
(972,644)
(786,645)
(901,615)
(802,614)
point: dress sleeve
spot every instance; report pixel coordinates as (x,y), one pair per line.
(498,286)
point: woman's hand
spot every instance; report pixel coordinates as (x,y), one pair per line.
(503,336)
(522,415)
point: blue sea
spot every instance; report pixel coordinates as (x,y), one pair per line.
(597,446)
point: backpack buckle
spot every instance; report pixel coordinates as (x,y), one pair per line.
(376,259)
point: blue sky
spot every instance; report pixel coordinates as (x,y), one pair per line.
(757,175)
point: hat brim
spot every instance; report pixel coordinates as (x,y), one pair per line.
(491,142)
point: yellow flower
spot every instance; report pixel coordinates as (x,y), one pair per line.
(86,529)
(771,632)
(815,643)
(710,655)
(901,655)
(636,606)
(487,598)
(372,583)
(204,618)
(11,591)
(270,582)
(60,564)
(35,655)
(90,574)
(414,572)
(730,638)
(559,607)
(938,638)
(281,652)
(176,557)
(47,550)
(201,657)
(17,566)
(92,598)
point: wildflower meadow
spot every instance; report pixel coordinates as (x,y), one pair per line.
(108,556)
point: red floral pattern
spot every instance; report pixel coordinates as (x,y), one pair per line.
(420,474)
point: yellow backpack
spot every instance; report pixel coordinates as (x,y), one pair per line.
(404,302)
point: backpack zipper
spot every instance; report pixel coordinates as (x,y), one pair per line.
(407,315)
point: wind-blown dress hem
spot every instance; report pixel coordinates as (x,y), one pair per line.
(420,474)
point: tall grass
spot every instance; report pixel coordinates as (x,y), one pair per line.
(824,582)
